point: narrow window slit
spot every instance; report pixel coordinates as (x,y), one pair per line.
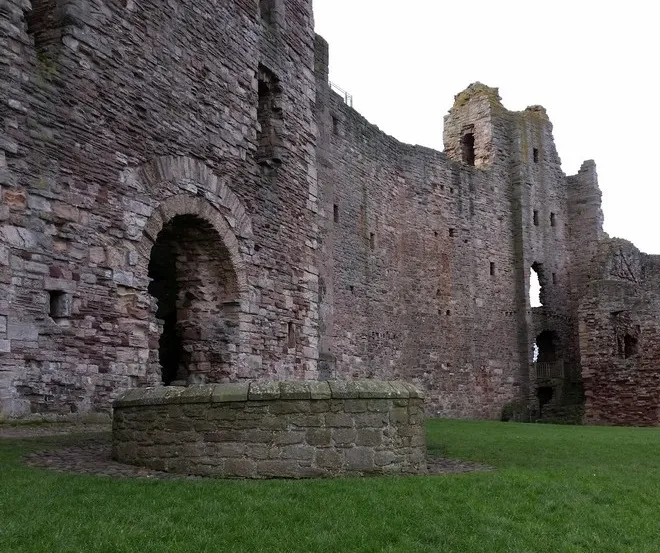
(467,148)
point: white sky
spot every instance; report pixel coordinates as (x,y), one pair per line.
(593,65)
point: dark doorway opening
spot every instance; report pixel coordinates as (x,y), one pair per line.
(467,148)
(629,346)
(195,285)
(544,394)
(546,344)
(164,287)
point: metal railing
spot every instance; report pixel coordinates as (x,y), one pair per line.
(348,98)
(549,370)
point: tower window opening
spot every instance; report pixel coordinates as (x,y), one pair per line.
(335,213)
(536,218)
(266,9)
(291,335)
(59,305)
(553,220)
(535,155)
(536,286)
(492,269)
(467,148)
(372,240)
(270,119)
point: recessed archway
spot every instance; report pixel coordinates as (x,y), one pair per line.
(196,287)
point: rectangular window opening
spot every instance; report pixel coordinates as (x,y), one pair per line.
(335,125)
(372,240)
(553,220)
(467,148)
(492,269)
(269,119)
(58,304)
(554,278)
(291,335)
(44,24)
(335,213)
(266,9)
(452,233)
(536,218)
(535,155)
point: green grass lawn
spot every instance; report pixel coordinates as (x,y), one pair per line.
(557,489)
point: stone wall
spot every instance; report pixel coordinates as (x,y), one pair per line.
(184,199)
(425,257)
(267,429)
(620,336)
(119,120)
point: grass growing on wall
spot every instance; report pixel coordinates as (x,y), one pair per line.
(557,489)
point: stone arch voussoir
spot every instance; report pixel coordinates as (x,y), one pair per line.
(195,176)
(183,204)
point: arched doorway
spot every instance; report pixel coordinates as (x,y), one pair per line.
(195,285)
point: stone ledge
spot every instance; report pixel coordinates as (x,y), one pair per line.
(268,390)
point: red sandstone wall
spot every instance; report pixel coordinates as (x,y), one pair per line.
(622,304)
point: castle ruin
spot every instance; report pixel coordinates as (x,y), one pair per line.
(183,198)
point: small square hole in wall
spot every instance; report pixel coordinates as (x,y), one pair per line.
(59,304)
(553,220)
(535,155)
(335,213)
(536,218)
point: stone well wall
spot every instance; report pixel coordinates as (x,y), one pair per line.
(266,429)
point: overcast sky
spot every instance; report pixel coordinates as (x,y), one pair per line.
(592,65)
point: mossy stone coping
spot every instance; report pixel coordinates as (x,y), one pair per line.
(267,390)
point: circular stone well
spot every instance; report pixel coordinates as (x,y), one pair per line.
(267,429)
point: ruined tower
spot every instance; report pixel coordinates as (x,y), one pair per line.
(185,199)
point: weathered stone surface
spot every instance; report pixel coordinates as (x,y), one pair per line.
(237,391)
(264,390)
(190,431)
(227,216)
(620,337)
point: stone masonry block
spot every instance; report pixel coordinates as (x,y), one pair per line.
(294,390)
(344,437)
(264,390)
(243,468)
(319,390)
(339,420)
(360,459)
(319,436)
(200,393)
(278,468)
(229,392)
(343,389)
(375,389)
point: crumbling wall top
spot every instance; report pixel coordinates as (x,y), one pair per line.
(477,89)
